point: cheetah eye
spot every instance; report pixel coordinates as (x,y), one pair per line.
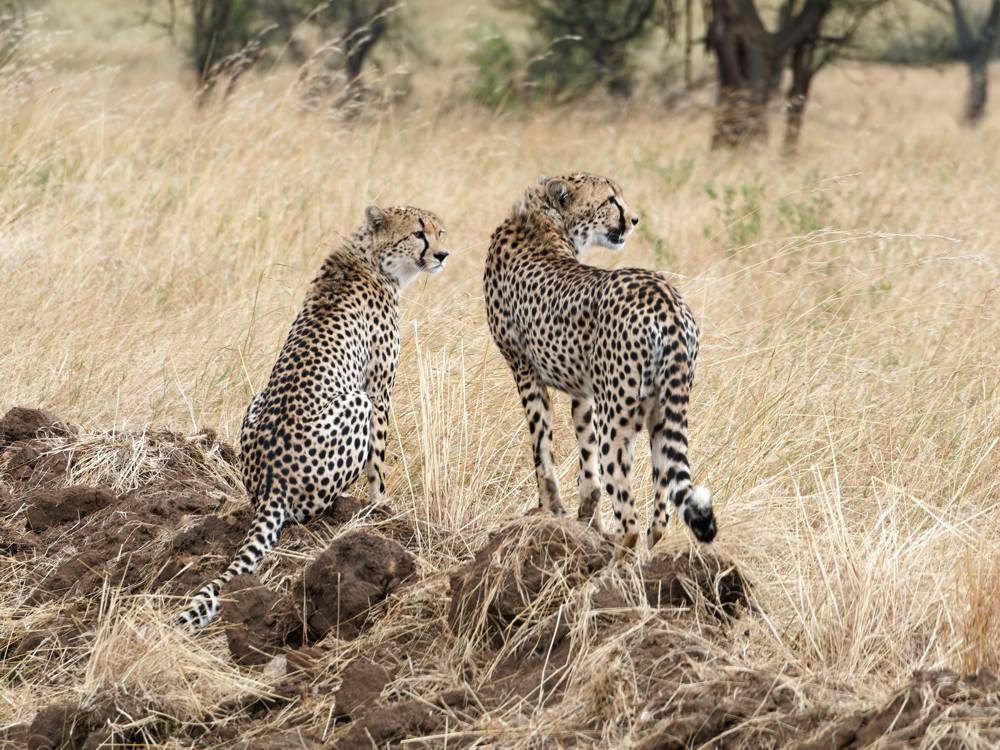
(420,235)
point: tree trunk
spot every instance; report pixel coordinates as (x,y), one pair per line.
(366,26)
(688,36)
(210,18)
(740,118)
(744,73)
(803,68)
(795,108)
(976,49)
(975,105)
(612,61)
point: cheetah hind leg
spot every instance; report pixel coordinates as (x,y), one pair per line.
(262,536)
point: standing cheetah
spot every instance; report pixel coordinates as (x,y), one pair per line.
(322,417)
(621,343)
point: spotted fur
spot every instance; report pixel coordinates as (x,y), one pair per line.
(321,420)
(621,343)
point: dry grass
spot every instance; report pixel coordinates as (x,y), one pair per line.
(846,415)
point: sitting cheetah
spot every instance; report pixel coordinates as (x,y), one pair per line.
(621,343)
(322,417)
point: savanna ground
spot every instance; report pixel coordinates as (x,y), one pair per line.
(846,417)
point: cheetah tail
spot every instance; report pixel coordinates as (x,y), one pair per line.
(695,504)
(669,453)
(262,536)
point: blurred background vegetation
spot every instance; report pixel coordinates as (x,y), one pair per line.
(757,58)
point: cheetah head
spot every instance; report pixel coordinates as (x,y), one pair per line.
(592,208)
(406,241)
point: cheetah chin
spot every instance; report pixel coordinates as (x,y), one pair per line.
(612,243)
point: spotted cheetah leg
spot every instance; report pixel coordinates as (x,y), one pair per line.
(668,445)
(617,450)
(589,479)
(262,536)
(376,456)
(535,400)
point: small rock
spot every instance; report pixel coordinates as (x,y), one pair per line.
(276,667)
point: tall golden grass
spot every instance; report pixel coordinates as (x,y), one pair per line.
(846,413)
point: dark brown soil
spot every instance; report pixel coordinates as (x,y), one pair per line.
(930,699)
(361,685)
(67,726)
(46,508)
(260,620)
(283,739)
(684,579)
(26,424)
(513,571)
(183,522)
(407,720)
(33,463)
(338,589)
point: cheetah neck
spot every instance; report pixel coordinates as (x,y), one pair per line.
(535,213)
(534,206)
(348,263)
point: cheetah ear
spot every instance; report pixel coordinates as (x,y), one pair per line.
(557,190)
(376,217)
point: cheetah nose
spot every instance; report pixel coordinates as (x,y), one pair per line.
(440,255)
(635,220)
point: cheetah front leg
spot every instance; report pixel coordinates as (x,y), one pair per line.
(535,400)
(376,455)
(588,480)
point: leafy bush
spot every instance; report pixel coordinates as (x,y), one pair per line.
(739,209)
(500,68)
(578,45)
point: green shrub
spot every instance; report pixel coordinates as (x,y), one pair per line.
(499,73)
(739,209)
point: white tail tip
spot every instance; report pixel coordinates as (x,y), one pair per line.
(700,497)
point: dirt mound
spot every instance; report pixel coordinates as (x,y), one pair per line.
(682,579)
(30,447)
(695,703)
(539,620)
(35,463)
(523,568)
(261,620)
(361,684)
(21,423)
(338,589)
(281,739)
(929,705)
(408,720)
(47,508)
(67,726)
(125,541)
(349,508)
(202,550)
